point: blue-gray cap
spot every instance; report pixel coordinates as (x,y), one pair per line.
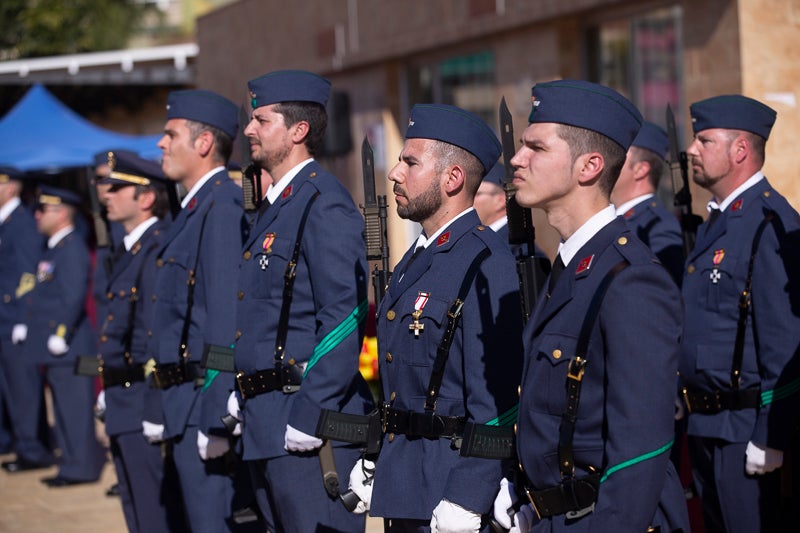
(586,105)
(497,174)
(652,137)
(206,107)
(455,126)
(129,168)
(733,112)
(289,86)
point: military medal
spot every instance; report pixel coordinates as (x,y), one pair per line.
(419,305)
(44,271)
(263,261)
(715,276)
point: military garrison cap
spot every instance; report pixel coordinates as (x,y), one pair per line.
(289,86)
(128,168)
(733,112)
(455,126)
(652,137)
(586,105)
(49,195)
(497,174)
(206,107)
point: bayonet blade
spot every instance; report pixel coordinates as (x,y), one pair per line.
(368,170)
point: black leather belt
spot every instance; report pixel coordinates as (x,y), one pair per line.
(121,375)
(414,424)
(286,380)
(711,403)
(575,497)
(166,376)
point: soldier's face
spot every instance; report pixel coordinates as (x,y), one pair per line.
(49,218)
(120,203)
(417,190)
(270,139)
(543,165)
(710,156)
(178,155)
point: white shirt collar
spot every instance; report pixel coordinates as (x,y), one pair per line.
(601,219)
(499,223)
(58,236)
(136,233)
(722,206)
(202,181)
(274,190)
(424,241)
(624,208)
(7,209)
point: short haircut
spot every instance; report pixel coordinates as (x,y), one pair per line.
(449,154)
(311,112)
(223,144)
(658,167)
(757,143)
(582,141)
(160,205)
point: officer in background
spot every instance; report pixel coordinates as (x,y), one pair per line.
(298,342)
(136,199)
(195,301)
(634,198)
(54,331)
(435,390)
(739,360)
(20,248)
(597,397)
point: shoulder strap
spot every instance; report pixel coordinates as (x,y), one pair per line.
(453,317)
(183,352)
(575,370)
(133,300)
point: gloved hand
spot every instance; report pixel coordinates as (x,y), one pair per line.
(361,483)
(235,411)
(504,500)
(679,409)
(523,520)
(152,432)
(100,406)
(19,333)
(211,446)
(297,441)
(57,345)
(761,460)
(449,517)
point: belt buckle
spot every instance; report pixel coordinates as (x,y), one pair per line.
(577,365)
(239,376)
(686,400)
(384,417)
(530,499)
(156,378)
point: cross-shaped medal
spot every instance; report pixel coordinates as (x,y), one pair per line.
(416,326)
(715,276)
(263,261)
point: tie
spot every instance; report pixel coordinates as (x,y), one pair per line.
(558,268)
(411,259)
(712,216)
(262,207)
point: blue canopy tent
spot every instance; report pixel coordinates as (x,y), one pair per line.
(41,134)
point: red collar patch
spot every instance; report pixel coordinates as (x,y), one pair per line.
(287,192)
(443,238)
(585,264)
(737,205)
(192,203)
(628,214)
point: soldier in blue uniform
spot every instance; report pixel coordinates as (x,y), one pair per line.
(57,332)
(136,199)
(634,196)
(739,359)
(195,301)
(422,480)
(297,347)
(20,248)
(598,388)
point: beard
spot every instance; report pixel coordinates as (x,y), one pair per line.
(423,206)
(268,159)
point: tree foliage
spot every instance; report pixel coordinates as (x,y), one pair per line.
(35,28)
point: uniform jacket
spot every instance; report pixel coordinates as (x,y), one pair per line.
(481,374)
(135,269)
(660,230)
(218,202)
(628,389)
(327,313)
(20,247)
(58,302)
(711,305)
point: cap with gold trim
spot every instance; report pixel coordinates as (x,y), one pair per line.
(9,173)
(128,168)
(49,195)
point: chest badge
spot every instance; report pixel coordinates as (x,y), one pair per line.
(266,245)
(715,276)
(45,270)
(419,304)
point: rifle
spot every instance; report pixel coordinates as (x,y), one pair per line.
(679,168)
(252,195)
(101,228)
(374,209)
(532,270)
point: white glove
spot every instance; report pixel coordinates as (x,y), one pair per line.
(211,446)
(761,459)
(523,520)
(236,412)
(679,410)
(504,500)
(100,403)
(19,333)
(152,432)
(57,345)
(361,483)
(297,441)
(451,518)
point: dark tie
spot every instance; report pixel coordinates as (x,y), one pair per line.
(411,259)
(558,268)
(262,207)
(712,216)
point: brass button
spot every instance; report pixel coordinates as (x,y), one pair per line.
(104,339)
(481,228)
(160,262)
(556,354)
(690,269)
(149,332)
(392,396)
(110,318)
(390,314)
(388,357)
(241,295)
(292,361)
(153,298)
(238,334)
(171,260)
(312,175)
(391,437)
(110,295)
(121,294)
(622,241)
(766,194)
(247,255)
